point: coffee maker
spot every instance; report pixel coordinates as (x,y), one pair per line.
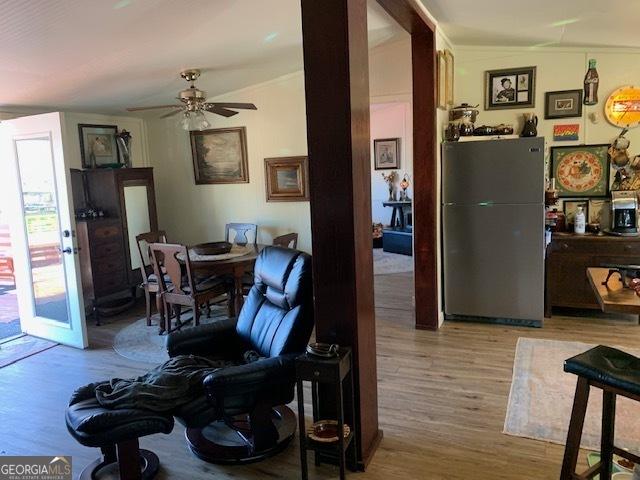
(624,212)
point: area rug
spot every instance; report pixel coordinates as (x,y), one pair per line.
(142,343)
(22,347)
(385,262)
(542,393)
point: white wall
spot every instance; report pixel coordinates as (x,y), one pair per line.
(557,69)
(195,213)
(390,120)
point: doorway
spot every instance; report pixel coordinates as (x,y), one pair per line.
(39,211)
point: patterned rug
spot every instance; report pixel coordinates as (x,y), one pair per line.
(542,396)
(142,343)
(385,262)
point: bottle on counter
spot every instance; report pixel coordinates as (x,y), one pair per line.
(579,222)
(591,80)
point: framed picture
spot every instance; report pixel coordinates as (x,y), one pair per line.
(510,88)
(580,170)
(386,153)
(449,62)
(442,80)
(98,147)
(220,155)
(595,210)
(287,179)
(563,104)
(570,207)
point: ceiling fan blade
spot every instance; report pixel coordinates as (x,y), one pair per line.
(220,111)
(170,114)
(244,106)
(135,109)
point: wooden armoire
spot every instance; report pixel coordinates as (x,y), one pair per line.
(108,253)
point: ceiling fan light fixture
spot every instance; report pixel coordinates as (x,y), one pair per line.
(186,121)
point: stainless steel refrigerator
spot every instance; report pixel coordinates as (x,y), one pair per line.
(493,230)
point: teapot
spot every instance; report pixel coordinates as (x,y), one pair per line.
(530,125)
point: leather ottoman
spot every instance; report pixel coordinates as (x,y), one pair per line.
(116,433)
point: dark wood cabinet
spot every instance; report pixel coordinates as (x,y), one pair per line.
(109,259)
(569,256)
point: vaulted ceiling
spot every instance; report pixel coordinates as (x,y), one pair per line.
(537,23)
(105,55)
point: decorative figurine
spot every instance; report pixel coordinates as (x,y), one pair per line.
(404,184)
(123,138)
(390,179)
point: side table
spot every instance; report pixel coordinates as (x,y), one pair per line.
(331,371)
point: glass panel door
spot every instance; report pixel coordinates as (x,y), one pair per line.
(45,255)
(42,227)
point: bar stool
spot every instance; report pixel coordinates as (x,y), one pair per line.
(615,373)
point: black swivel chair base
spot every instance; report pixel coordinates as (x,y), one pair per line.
(124,458)
(239,442)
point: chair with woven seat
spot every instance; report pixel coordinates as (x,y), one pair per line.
(615,373)
(243,233)
(172,261)
(150,283)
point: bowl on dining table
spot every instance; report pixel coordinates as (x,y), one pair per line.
(212,248)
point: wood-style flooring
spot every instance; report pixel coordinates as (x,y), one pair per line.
(442,398)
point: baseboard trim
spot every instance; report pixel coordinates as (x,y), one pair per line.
(514,322)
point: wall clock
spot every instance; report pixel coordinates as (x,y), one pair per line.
(623,107)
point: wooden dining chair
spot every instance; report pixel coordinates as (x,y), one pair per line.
(290,240)
(150,283)
(240,233)
(183,290)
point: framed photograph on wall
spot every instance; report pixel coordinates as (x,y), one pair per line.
(98,147)
(386,153)
(287,179)
(510,88)
(580,170)
(563,104)
(220,155)
(449,62)
(442,80)
(570,207)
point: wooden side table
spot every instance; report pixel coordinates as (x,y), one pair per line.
(331,371)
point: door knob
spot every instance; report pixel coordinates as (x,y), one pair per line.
(67,250)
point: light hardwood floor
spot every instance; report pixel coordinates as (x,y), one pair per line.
(442,398)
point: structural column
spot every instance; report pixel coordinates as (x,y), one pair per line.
(337,101)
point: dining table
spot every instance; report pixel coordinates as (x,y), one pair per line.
(239,261)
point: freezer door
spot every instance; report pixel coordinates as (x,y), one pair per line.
(493,171)
(494,261)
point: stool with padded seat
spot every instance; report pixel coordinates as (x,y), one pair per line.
(615,373)
(116,433)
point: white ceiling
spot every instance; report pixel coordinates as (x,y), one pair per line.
(105,55)
(537,23)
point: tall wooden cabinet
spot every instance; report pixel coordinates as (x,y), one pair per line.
(109,258)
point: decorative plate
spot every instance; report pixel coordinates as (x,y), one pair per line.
(212,248)
(581,171)
(326,431)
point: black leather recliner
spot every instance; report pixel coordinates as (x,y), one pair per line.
(242,418)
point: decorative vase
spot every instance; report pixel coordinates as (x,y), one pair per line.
(392,196)
(530,128)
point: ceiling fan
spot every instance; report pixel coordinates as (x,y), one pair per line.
(194,104)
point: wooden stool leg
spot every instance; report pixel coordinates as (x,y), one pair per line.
(608,430)
(129,460)
(574,435)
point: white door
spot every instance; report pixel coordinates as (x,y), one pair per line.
(43,229)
